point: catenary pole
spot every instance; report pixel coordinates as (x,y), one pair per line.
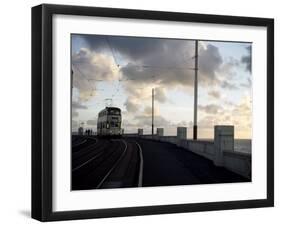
(152,120)
(195,92)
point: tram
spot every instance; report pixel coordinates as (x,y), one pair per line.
(109,122)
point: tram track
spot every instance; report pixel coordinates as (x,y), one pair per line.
(114,166)
(92,172)
(86,152)
(78,146)
(98,152)
(112,163)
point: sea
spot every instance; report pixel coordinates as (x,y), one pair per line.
(243,145)
(240,145)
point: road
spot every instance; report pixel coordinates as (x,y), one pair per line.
(133,162)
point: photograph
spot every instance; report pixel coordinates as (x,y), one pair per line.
(149,111)
(141,112)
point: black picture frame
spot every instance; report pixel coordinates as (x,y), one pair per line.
(42,111)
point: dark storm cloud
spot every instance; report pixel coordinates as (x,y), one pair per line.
(149,62)
(168,61)
(167,67)
(93,42)
(247,59)
(210,60)
(132,48)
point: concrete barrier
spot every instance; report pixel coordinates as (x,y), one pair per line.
(220,151)
(160,131)
(140,131)
(238,162)
(182,132)
(203,148)
(224,141)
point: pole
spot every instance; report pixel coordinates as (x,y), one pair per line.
(71,78)
(195,91)
(152,121)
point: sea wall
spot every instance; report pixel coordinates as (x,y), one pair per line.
(220,151)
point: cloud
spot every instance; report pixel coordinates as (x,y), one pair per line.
(131,105)
(239,115)
(143,119)
(147,111)
(128,124)
(247,84)
(77,105)
(228,64)
(141,64)
(243,108)
(227,85)
(89,67)
(74,125)
(154,62)
(167,67)
(247,59)
(207,122)
(75,114)
(210,108)
(166,61)
(183,123)
(146,120)
(210,60)
(92,122)
(160,94)
(215,94)
(135,48)
(145,63)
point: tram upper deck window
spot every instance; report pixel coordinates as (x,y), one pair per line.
(114,112)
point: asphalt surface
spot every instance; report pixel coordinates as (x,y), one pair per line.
(166,164)
(128,162)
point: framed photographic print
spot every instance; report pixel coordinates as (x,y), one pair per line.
(145,112)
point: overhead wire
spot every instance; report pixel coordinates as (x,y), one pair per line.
(93,88)
(140,66)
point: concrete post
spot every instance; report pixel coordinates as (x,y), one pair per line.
(181,132)
(160,131)
(80,131)
(140,132)
(224,141)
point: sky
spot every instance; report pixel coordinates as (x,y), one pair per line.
(122,71)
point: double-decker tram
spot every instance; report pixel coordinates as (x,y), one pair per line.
(109,122)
